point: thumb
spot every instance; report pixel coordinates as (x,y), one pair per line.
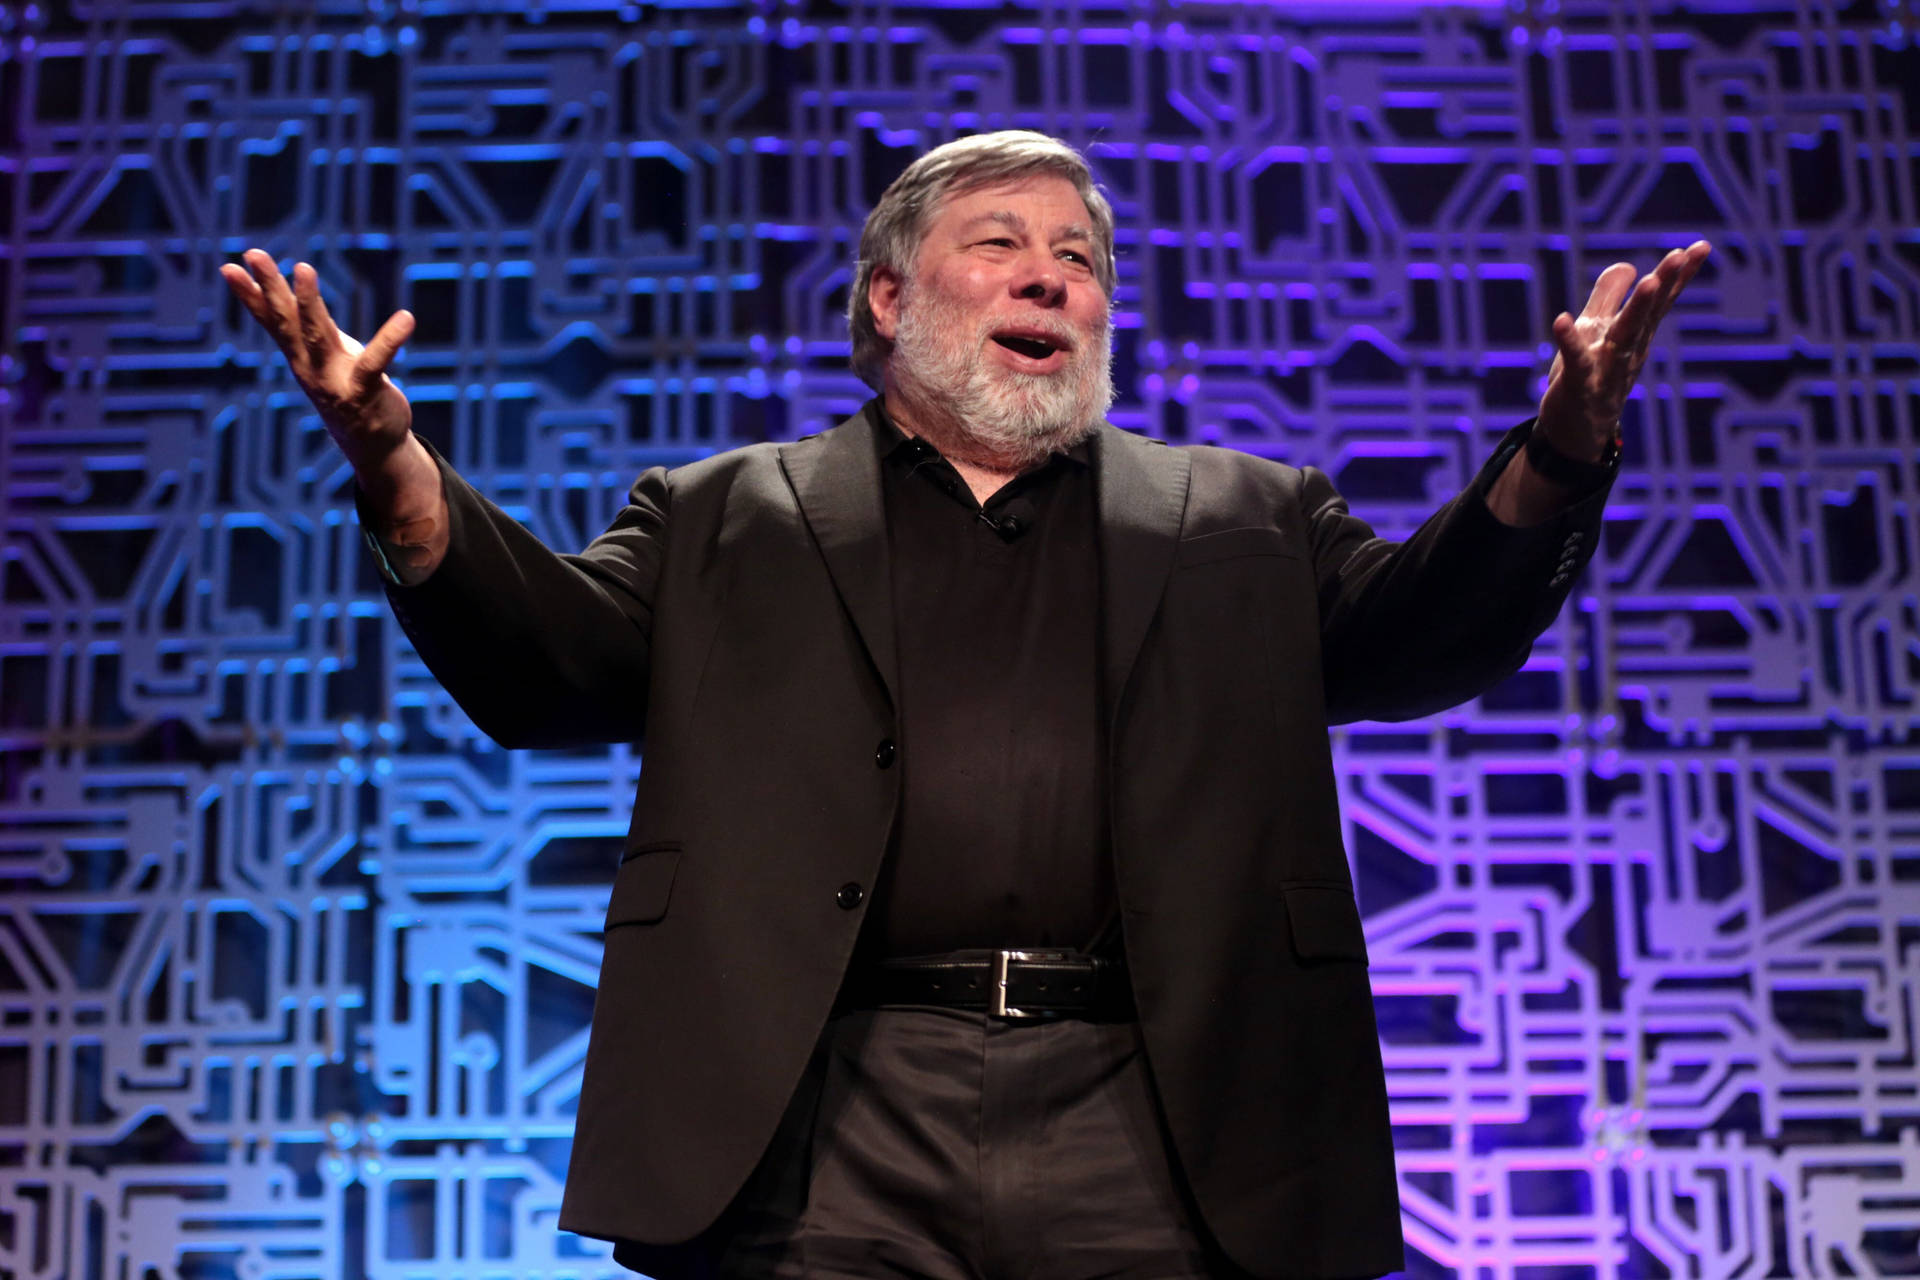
(372,363)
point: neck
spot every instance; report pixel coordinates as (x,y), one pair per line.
(945,432)
(984,471)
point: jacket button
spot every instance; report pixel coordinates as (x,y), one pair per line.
(884,753)
(850,896)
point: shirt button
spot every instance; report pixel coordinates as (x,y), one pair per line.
(884,753)
(850,896)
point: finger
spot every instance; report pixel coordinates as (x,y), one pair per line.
(317,330)
(1668,269)
(249,280)
(1680,265)
(1608,290)
(1690,264)
(1695,258)
(1567,345)
(1631,327)
(1674,271)
(1631,333)
(244,290)
(381,348)
(272,284)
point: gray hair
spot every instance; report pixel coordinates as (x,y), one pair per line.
(898,222)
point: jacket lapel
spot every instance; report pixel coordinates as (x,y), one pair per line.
(836,478)
(1142,495)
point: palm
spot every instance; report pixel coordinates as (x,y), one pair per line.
(363,410)
(1599,354)
(372,399)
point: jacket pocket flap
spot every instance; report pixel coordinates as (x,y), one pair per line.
(641,888)
(1325,923)
(1229,543)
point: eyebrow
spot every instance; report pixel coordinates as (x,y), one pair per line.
(1014,222)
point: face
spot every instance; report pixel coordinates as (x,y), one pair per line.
(1001,340)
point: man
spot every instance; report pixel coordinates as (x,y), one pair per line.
(984,911)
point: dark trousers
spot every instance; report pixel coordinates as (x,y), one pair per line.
(946,1145)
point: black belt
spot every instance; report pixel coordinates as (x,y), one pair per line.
(1015,985)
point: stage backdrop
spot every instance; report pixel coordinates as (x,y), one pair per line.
(295,966)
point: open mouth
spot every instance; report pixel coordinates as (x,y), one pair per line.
(1031,346)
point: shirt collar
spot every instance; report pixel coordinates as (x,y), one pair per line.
(894,443)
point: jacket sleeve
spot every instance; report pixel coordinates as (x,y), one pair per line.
(541,649)
(1411,628)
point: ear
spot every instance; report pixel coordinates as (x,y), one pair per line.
(883,296)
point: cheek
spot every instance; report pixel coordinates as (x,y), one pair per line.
(1094,324)
(1090,304)
(972,281)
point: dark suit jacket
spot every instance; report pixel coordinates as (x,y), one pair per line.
(737,611)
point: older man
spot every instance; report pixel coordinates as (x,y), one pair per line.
(984,911)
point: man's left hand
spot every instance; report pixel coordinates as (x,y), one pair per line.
(1601,352)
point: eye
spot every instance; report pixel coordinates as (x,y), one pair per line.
(1002,242)
(1074,255)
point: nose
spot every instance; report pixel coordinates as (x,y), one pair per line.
(1040,279)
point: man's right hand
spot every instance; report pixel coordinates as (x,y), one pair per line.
(367,416)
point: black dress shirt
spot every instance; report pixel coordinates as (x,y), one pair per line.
(1002,836)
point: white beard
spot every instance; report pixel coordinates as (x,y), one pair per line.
(977,412)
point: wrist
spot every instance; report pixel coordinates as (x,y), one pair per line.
(402,475)
(1573,467)
(403,514)
(1571,426)
(370,455)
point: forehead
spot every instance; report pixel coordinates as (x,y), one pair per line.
(1045,202)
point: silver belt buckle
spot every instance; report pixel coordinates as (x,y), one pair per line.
(997,998)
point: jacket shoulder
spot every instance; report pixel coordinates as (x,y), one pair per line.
(755,463)
(726,468)
(1212,459)
(1228,476)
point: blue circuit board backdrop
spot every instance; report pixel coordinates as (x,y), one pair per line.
(296,966)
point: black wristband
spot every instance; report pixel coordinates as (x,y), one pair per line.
(1571,472)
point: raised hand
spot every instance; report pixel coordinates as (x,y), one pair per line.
(1601,352)
(364,412)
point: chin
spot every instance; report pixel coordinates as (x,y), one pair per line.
(1028,423)
(979,411)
